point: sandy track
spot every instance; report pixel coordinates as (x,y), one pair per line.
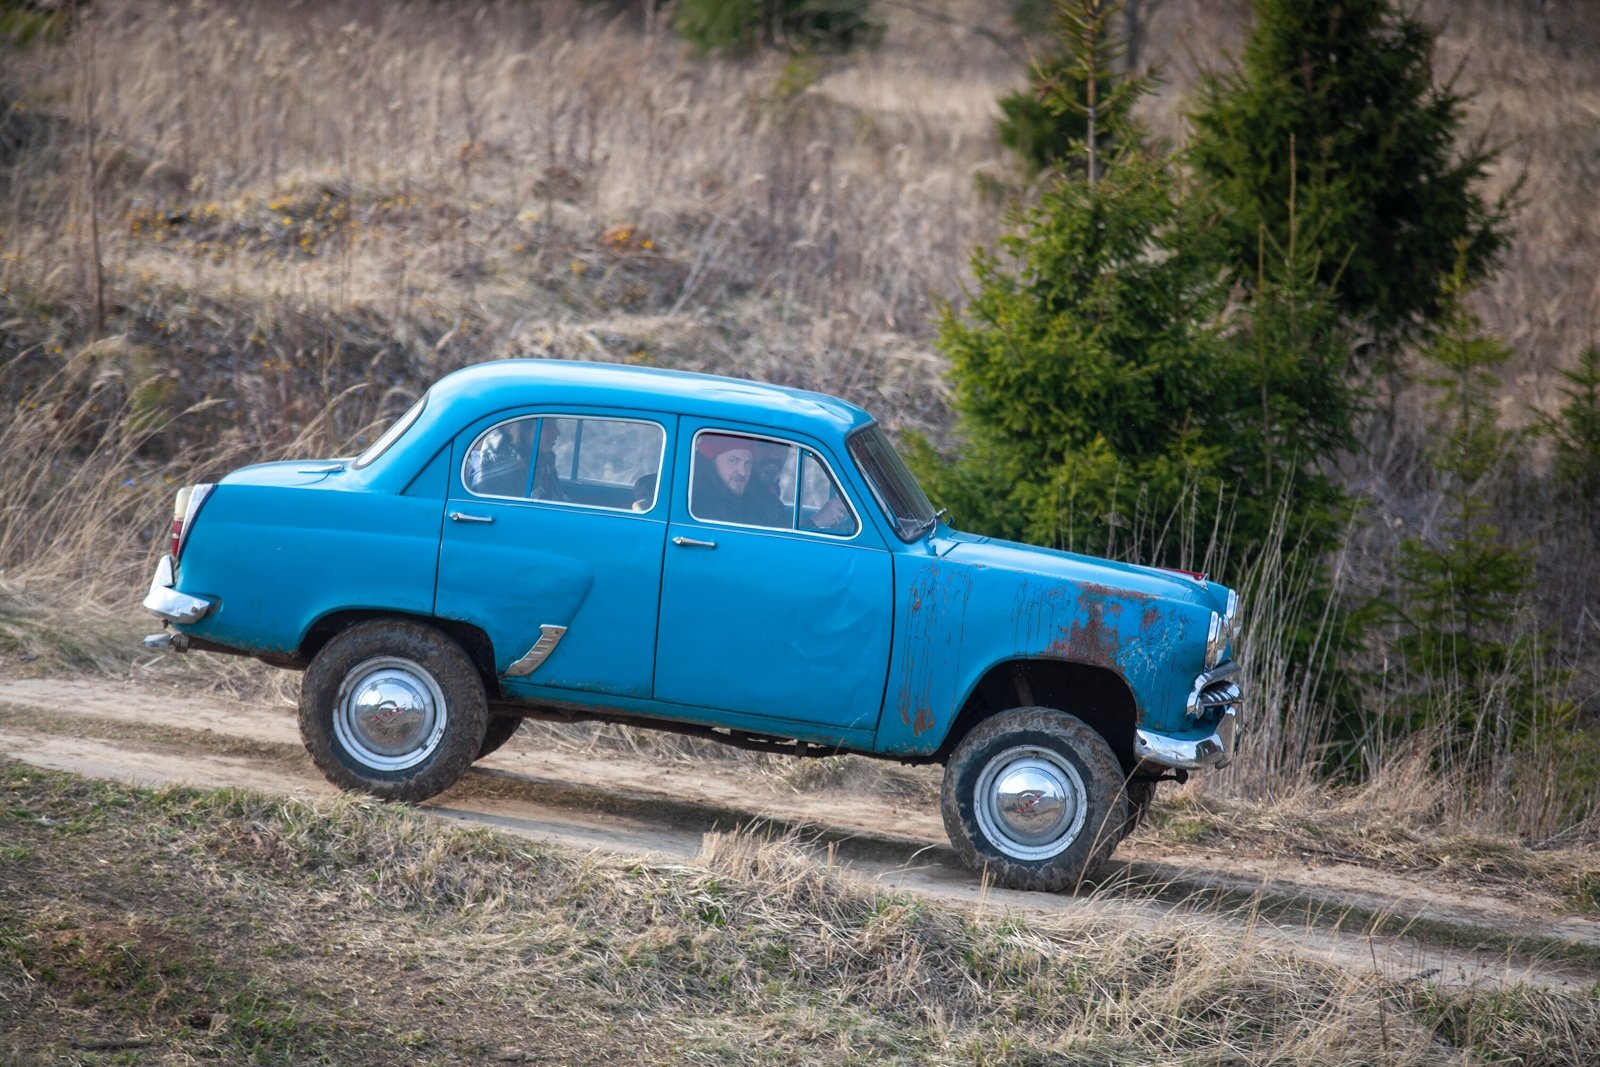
(621,804)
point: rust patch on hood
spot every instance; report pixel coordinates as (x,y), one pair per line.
(1090,638)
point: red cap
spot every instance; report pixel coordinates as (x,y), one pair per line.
(712,445)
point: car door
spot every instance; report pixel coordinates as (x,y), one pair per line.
(552,545)
(776,598)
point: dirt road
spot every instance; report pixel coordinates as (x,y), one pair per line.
(1355,916)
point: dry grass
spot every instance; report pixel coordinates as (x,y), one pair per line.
(254,929)
(1361,826)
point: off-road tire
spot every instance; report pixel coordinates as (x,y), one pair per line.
(437,666)
(1070,749)
(501,727)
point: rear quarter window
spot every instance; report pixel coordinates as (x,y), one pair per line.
(392,434)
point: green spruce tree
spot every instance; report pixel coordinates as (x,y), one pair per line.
(1463,582)
(1044,122)
(1338,97)
(1574,434)
(1107,402)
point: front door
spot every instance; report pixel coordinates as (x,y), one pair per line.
(776,599)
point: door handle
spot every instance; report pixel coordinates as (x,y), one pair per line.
(690,542)
(461,516)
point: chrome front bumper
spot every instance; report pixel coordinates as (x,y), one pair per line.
(1203,746)
(1186,752)
(168,603)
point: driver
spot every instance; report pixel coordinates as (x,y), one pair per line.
(724,487)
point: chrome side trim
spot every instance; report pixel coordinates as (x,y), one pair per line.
(168,603)
(549,637)
(1213,751)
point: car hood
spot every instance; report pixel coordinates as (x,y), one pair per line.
(1127,578)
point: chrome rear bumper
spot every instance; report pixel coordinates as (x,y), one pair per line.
(168,603)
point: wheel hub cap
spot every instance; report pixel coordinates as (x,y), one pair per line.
(391,714)
(1030,803)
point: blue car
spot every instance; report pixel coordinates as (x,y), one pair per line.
(711,556)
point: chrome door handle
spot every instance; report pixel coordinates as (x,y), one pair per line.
(461,516)
(689,542)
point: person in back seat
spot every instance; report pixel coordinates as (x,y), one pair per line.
(546,483)
(644,492)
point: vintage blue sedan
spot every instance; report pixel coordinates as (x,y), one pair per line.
(707,555)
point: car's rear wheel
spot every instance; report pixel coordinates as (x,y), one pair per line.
(393,708)
(501,727)
(1034,797)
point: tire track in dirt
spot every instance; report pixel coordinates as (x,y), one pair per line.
(93,727)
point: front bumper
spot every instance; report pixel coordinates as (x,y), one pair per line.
(168,603)
(1217,690)
(1193,750)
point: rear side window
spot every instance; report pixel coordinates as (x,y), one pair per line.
(566,459)
(757,481)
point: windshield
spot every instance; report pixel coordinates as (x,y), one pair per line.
(392,434)
(898,493)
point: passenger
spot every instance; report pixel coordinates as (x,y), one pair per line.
(764,495)
(546,483)
(498,466)
(723,487)
(644,492)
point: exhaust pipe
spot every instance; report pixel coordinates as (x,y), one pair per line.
(167,642)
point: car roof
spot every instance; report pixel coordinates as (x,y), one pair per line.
(489,387)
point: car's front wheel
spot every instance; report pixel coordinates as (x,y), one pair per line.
(1033,796)
(393,708)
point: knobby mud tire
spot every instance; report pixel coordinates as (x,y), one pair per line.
(465,708)
(1072,741)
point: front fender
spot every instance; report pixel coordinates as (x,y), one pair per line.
(955,622)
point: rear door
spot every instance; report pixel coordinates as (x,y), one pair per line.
(776,598)
(554,527)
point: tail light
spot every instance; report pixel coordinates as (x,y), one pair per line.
(184,509)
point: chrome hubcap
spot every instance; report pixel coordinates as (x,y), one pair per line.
(1030,803)
(390,714)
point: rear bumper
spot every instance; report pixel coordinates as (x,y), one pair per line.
(169,604)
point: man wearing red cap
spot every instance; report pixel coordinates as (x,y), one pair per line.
(724,489)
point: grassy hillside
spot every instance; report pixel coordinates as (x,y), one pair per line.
(249,929)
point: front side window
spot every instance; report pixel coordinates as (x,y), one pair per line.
(756,481)
(593,462)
